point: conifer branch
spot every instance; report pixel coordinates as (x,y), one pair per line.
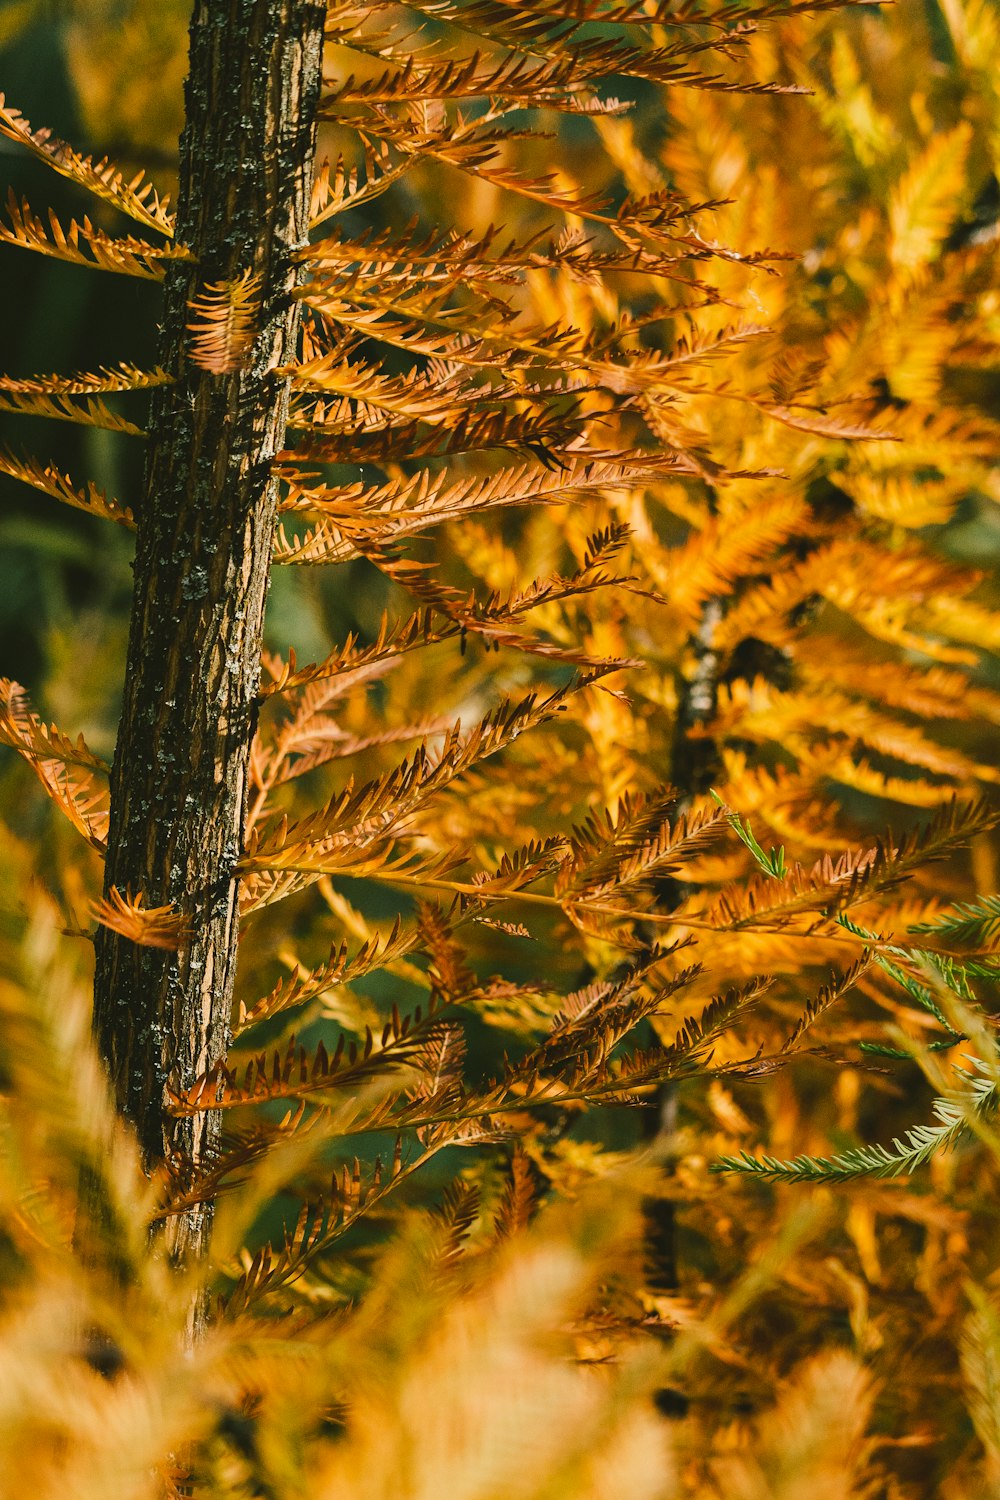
(976,1099)
(153,926)
(81,244)
(137,199)
(223,323)
(122,377)
(50,481)
(89,413)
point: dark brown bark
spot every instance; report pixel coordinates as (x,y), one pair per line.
(202,559)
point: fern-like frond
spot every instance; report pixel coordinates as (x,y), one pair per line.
(829,887)
(345,185)
(909,969)
(834,886)
(950,829)
(309,734)
(514,1212)
(414,397)
(31,737)
(593,1021)
(927,692)
(106,381)
(392,860)
(51,481)
(137,198)
(696,1034)
(357,818)
(972,924)
(296,1073)
(391,511)
(460,1209)
(965,620)
(929,199)
(496,622)
(82,244)
(325,741)
(519,26)
(514,81)
(485,260)
(223,323)
(610,855)
(428,323)
(474,148)
(574,66)
(822,424)
(152,926)
(73,777)
(731,546)
(362,435)
(759,710)
(826,997)
(977,1098)
(89,413)
(884,592)
(858,772)
(320,1224)
(376,953)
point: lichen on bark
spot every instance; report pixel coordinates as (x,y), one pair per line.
(201,569)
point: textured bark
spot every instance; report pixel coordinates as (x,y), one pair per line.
(202,558)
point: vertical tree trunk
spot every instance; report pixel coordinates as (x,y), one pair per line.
(178,790)
(693,767)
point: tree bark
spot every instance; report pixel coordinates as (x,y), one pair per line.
(179,782)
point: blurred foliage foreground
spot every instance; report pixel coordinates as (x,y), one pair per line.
(706,421)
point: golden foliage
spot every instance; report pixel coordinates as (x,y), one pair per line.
(155,926)
(622,434)
(66,768)
(137,198)
(223,323)
(50,481)
(129,256)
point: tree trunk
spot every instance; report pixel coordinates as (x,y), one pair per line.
(693,768)
(178,789)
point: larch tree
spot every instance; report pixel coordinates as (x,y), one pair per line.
(238,268)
